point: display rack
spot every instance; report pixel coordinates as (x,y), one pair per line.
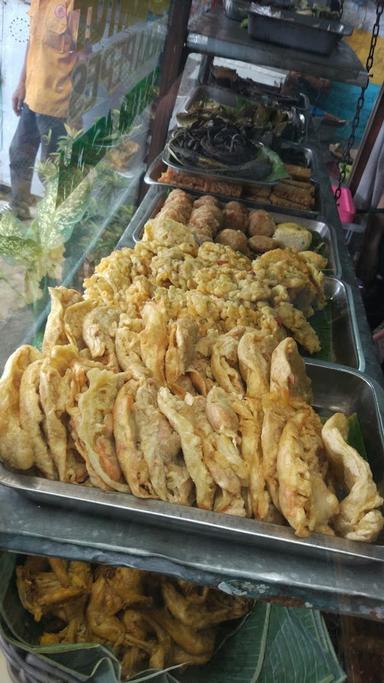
(336,586)
(214,34)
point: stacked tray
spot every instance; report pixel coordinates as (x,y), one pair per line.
(346,344)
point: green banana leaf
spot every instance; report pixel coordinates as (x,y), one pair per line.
(272,644)
(321,322)
(355,436)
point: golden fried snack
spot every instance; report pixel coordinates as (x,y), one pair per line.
(224,362)
(16,446)
(234,239)
(181,418)
(192,182)
(358,518)
(299,172)
(31,419)
(183,336)
(287,372)
(99,329)
(61,298)
(235,216)
(154,340)
(305,500)
(95,426)
(261,223)
(223,460)
(260,244)
(73,319)
(56,385)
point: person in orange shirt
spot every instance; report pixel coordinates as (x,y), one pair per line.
(41,99)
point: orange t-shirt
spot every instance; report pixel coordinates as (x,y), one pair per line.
(51,56)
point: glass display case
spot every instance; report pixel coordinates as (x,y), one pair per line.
(118,285)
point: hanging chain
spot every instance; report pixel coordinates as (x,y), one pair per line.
(341,9)
(360,102)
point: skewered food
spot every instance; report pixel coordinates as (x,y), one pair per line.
(147,620)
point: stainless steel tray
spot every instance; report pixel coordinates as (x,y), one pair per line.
(158,167)
(236,9)
(155,198)
(242,88)
(334,389)
(293,30)
(228,98)
(346,343)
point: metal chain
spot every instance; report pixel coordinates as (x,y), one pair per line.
(341,9)
(360,102)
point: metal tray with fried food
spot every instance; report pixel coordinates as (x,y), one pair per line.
(156,197)
(272,197)
(335,389)
(342,343)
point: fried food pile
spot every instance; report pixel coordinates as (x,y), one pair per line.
(297,192)
(233,224)
(216,285)
(148,620)
(149,407)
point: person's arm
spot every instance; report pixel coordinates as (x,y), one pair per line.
(19,94)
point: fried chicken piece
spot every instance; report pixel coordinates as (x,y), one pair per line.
(61,299)
(217,607)
(194,642)
(39,592)
(180,416)
(16,446)
(112,591)
(288,371)
(305,500)
(359,518)
(75,632)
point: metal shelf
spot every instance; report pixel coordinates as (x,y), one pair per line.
(330,585)
(213,33)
